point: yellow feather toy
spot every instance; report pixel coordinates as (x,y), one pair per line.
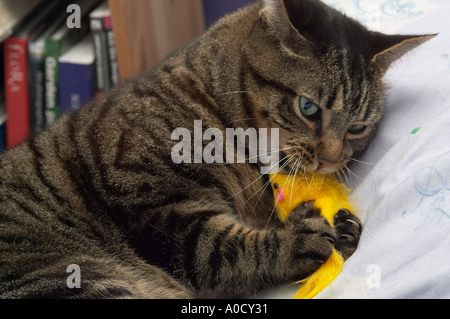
(330,197)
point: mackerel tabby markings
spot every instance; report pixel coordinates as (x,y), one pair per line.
(99,189)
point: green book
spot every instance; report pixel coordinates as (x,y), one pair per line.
(55,46)
(36,57)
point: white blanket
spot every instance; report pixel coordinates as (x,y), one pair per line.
(404,189)
(403,186)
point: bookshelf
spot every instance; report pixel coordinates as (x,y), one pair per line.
(12,12)
(147,30)
(44,73)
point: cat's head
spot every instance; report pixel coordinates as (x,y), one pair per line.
(318,77)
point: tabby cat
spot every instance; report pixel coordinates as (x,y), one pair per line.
(99,190)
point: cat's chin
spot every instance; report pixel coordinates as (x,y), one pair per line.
(317,169)
(329,169)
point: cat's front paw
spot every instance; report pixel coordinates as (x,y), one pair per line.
(311,240)
(349,229)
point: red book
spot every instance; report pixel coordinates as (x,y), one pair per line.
(16,71)
(16,90)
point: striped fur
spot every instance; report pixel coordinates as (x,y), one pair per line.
(99,189)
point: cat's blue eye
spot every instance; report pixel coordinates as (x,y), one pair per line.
(308,108)
(357,128)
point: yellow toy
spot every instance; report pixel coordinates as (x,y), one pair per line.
(329,196)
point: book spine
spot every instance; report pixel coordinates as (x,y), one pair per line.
(2,136)
(52,52)
(112,53)
(54,48)
(36,87)
(2,122)
(16,91)
(101,56)
(77,85)
(2,103)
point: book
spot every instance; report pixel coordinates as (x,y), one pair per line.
(77,75)
(36,86)
(98,31)
(215,9)
(2,122)
(36,62)
(2,105)
(16,73)
(55,46)
(112,52)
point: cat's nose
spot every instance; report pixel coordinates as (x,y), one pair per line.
(330,150)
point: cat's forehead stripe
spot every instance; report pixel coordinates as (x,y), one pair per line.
(336,103)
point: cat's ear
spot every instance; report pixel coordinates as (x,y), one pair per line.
(385,49)
(276,19)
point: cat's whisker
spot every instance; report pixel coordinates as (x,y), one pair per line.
(284,185)
(268,183)
(342,177)
(271,215)
(306,177)
(266,150)
(289,177)
(361,162)
(347,179)
(352,173)
(367,174)
(298,166)
(259,178)
(274,206)
(261,191)
(295,167)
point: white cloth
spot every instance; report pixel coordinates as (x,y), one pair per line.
(403,190)
(403,186)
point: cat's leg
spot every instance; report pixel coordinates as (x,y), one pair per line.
(348,229)
(50,260)
(223,257)
(127,280)
(92,277)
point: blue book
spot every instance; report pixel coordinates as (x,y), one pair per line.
(216,9)
(77,75)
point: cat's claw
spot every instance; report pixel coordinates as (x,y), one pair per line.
(349,230)
(356,224)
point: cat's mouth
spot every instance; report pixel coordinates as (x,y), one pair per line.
(319,166)
(325,167)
